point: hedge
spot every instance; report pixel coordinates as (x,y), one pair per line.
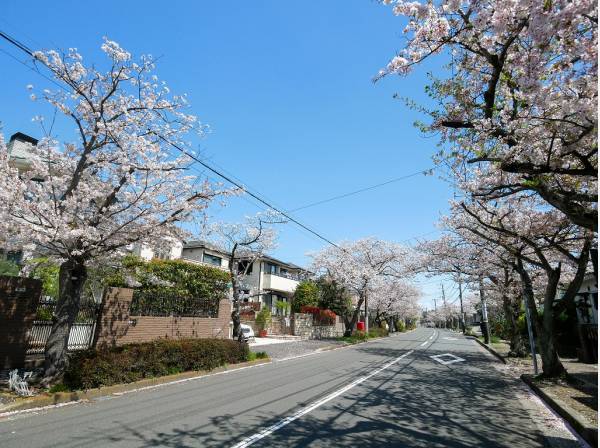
(173,276)
(104,367)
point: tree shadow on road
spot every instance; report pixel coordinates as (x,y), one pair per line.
(417,402)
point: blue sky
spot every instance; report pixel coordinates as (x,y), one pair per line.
(287,91)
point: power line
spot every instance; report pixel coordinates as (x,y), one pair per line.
(351,193)
(25,49)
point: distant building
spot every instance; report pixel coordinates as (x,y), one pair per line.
(268,279)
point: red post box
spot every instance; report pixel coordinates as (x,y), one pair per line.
(360,326)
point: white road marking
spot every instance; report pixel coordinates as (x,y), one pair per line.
(439,358)
(39,408)
(137,389)
(451,339)
(286,421)
(424,343)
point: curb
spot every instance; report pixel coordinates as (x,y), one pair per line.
(488,348)
(588,432)
(58,399)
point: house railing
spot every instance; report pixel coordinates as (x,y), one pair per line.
(81,335)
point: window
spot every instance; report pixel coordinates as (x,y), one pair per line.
(211,259)
(271,268)
(245,266)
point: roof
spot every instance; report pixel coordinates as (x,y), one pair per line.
(24,138)
(201,244)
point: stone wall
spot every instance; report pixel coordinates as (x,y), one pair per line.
(117,327)
(19,298)
(302,325)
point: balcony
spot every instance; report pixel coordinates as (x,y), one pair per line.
(279,283)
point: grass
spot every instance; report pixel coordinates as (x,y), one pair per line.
(252,356)
(493,339)
(361,336)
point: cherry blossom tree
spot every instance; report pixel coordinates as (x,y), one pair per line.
(357,265)
(539,239)
(245,243)
(117,183)
(470,259)
(394,298)
(521,101)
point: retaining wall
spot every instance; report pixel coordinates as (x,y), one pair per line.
(117,327)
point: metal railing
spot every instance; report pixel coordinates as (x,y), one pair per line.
(81,335)
(150,303)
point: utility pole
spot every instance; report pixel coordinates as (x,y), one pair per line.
(530,333)
(485,327)
(462,313)
(366,315)
(444,300)
(443,295)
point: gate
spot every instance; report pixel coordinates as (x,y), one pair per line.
(81,335)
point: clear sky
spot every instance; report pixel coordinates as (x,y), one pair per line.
(287,90)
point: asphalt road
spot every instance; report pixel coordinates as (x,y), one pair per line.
(388,392)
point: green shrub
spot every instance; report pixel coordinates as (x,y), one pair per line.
(129,363)
(263,318)
(400,325)
(357,336)
(9,268)
(173,277)
(378,332)
(46,270)
(306,294)
(257,355)
(283,307)
(60,387)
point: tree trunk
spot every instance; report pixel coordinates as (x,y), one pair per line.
(544,326)
(518,346)
(235,311)
(350,325)
(72,276)
(551,365)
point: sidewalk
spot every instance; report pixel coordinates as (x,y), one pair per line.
(577,396)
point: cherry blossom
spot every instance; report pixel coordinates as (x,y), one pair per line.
(118,183)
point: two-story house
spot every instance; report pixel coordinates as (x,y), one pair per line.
(268,279)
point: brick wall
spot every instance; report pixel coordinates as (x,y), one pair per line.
(117,327)
(19,299)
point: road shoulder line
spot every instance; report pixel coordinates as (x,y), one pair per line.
(286,421)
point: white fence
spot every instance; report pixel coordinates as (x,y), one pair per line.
(80,337)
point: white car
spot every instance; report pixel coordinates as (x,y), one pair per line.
(247,332)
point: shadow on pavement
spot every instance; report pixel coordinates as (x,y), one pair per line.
(415,403)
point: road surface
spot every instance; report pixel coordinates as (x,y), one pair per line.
(388,392)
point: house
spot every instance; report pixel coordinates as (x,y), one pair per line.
(20,150)
(268,279)
(148,252)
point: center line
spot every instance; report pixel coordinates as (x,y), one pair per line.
(311,407)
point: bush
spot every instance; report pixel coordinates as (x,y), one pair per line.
(400,325)
(320,317)
(129,363)
(9,268)
(358,336)
(306,294)
(378,332)
(173,277)
(257,355)
(263,318)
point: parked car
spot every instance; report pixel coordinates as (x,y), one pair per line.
(247,332)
